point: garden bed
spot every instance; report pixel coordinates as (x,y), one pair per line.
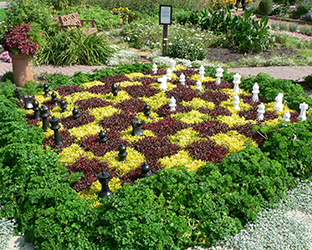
(173,209)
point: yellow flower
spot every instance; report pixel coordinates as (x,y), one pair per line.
(184,137)
(72,153)
(126,135)
(88,129)
(91,84)
(127,83)
(133,160)
(233,140)
(156,101)
(207,78)
(101,112)
(135,75)
(196,103)
(234,119)
(71,99)
(193,116)
(182,158)
(170,86)
(121,96)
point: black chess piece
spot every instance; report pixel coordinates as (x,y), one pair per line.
(114,89)
(103,136)
(76,113)
(122,152)
(36,110)
(63,105)
(136,127)
(54,98)
(104,179)
(27,101)
(44,114)
(147,111)
(18,94)
(54,121)
(145,170)
(46,90)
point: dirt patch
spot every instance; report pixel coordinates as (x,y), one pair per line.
(226,55)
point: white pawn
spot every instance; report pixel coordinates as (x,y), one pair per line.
(261,111)
(303,108)
(172,104)
(255,91)
(199,85)
(173,65)
(286,117)
(154,69)
(169,74)
(236,82)
(163,82)
(202,72)
(279,102)
(219,75)
(236,102)
(182,79)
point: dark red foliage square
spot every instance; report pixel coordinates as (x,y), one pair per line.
(93,102)
(210,128)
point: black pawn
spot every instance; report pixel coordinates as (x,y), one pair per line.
(18,94)
(76,114)
(44,116)
(147,111)
(46,90)
(54,121)
(63,105)
(104,179)
(122,152)
(136,127)
(103,136)
(36,110)
(146,171)
(27,101)
(54,98)
(114,89)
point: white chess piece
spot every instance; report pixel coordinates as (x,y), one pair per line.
(199,85)
(279,102)
(163,82)
(261,111)
(286,117)
(169,74)
(219,74)
(172,104)
(182,79)
(173,65)
(236,102)
(236,82)
(154,68)
(255,91)
(202,72)
(303,108)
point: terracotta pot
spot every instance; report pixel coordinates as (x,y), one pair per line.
(22,69)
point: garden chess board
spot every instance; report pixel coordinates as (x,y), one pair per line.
(199,126)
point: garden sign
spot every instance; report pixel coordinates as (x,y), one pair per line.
(165,18)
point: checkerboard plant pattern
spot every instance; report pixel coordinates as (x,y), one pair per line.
(205,126)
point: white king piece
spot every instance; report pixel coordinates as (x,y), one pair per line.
(219,75)
(236,82)
(303,108)
(279,102)
(202,72)
(255,92)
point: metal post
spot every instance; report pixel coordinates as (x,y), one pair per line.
(165,40)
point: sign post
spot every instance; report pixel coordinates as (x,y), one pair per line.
(165,19)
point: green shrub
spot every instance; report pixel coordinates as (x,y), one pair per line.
(293,27)
(31,11)
(283,26)
(75,47)
(265,7)
(306,29)
(105,20)
(290,145)
(64,4)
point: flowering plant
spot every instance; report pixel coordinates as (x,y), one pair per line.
(23,40)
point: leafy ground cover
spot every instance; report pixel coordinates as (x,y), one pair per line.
(200,207)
